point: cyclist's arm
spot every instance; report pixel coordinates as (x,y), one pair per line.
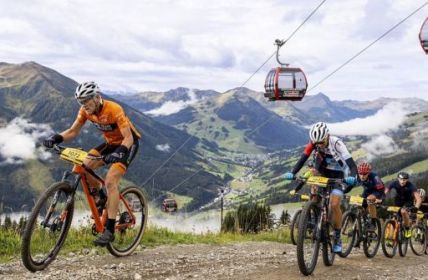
(124,126)
(73,131)
(379,184)
(418,199)
(128,140)
(388,188)
(303,158)
(346,156)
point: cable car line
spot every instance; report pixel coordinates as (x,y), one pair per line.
(182,182)
(352,58)
(168,159)
(283,42)
(368,46)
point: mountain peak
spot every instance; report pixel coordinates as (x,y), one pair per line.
(29,72)
(322,96)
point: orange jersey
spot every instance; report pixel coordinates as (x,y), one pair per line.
(109,120)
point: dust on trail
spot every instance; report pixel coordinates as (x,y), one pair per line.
(248,260)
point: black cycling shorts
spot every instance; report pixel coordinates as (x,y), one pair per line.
(105,149)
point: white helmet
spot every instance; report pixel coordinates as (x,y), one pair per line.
(422,192)
(318,132)
(86,90)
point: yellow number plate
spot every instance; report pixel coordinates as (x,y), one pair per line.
(75,156)
(393,209)
(317,180)
(304,197)
(356,200)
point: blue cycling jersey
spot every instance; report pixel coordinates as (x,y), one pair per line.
(405,195)
(373,185)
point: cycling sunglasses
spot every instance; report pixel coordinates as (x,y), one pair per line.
(324,142)
(83,101)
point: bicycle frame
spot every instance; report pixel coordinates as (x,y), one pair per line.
(323,187)
(362,215)
(323,196)
(81,170)
(398,220)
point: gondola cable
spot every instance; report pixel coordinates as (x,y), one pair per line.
(348,61)
(368,46)
(243,84)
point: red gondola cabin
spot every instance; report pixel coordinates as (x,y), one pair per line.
(285,83)
(169,205)
(423,36)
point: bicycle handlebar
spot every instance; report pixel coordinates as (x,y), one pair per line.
(59,148)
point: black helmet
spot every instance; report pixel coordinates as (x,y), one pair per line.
(403,175)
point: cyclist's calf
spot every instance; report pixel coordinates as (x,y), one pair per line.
(335,202)
(112,184)
(371,200)
(405,214)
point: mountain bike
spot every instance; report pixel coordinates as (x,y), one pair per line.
(294,225)
(393,234)
(315,226)
(358,227)
(50,220)
(418,240)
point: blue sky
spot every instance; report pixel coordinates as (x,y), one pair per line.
(163,44)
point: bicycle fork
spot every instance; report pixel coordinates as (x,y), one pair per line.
(63,215)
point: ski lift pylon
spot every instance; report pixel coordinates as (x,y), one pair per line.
(423,36)
(284,82)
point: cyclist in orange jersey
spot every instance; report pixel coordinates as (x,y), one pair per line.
(119,148)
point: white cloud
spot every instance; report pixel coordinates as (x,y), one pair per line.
(163,147)
(379,145)
(18,141)
(159,45)
(171,107)
(208,221)
(386,119)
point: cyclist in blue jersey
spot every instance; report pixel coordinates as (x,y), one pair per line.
(408,198)
(374,189)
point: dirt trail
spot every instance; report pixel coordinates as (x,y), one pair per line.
(249,260)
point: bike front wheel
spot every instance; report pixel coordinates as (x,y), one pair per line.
(327,245)
(308,240)
(372,238)
(403,243)
(389,238)
(131,222)
(47,227)
(294,227)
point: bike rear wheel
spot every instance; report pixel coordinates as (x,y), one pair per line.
(418,241)
(47,226)
(294,227)
(372,239)
(389,238)
(308,240)
(130,225)
(349,233)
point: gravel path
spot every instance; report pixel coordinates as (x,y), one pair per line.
(249,260)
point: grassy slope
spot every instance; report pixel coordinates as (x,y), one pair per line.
(212,128)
